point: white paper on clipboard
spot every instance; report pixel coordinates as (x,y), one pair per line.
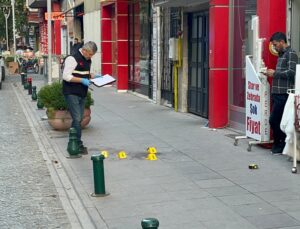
(104,80)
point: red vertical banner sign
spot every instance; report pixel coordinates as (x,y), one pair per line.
(56,34)
(57,38)
(44,38)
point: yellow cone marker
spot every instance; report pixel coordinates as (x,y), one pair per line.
(105,153)
(151,157)
(122,155)
(151,150)
(253,166)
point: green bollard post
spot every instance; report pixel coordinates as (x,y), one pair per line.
(40,104)
(25,82)
(150,223)
(99,180)
(23,78)
(73,147)
(34,95)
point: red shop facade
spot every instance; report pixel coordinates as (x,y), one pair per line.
(215,53)
(125,43)
(126,48)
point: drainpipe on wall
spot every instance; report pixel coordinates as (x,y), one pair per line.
(159,59)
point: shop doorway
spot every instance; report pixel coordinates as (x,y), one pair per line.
(140,47)
(198,64)
(171,27)
(167,76)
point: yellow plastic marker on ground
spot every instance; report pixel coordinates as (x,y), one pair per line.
(122,155)
(151,157)
(152,150)
(105,153)
(253,166)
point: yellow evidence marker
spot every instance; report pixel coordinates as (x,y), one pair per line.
(151,150)
(105,153)
(151,157)
(253,166)
(122,155)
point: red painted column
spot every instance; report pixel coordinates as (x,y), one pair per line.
(57,38)
(122,45)
(56,32)
(218,63)
(272,18)
(106,39)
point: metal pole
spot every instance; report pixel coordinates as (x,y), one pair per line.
(49,11)
(14,26)
(6,12)
(99,179)
(7,47)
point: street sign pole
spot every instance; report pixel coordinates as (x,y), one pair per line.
(14,26)
(49,42)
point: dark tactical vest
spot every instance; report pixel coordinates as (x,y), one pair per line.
(82,70)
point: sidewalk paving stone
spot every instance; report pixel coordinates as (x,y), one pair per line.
(200,179)
(273,221)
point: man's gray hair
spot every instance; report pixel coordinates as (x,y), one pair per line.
(90,46)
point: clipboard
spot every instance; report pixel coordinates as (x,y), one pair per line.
(104,80)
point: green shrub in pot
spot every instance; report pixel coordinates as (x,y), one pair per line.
(52,97)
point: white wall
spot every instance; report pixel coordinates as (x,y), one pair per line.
(91,24)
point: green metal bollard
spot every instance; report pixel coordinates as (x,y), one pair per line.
(99,180)
(25,82)
(40,104)
(23,77)
(150,223)
(34,95)
(73,147)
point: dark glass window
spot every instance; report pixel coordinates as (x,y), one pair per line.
(140,47)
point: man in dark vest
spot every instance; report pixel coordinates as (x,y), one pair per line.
(76,80)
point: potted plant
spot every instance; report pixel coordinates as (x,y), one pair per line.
(58,115)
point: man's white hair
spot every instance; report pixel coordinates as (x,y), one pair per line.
(90,46)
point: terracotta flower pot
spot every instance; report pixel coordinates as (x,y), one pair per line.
(86,117)
(62,120)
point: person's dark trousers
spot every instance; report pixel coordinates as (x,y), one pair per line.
(76,107)
(278,103)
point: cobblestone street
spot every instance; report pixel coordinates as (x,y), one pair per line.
(28,197)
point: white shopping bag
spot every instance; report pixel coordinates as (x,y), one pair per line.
(287,126)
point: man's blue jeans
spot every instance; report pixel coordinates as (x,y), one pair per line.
(76,107)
